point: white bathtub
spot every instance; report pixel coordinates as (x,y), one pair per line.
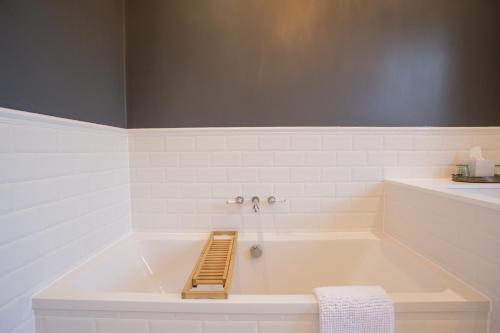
(134,286)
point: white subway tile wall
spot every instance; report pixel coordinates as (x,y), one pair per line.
(67,188)
(64,195)
(461,237)
(331,177)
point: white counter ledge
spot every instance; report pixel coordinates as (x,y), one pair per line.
(482,194)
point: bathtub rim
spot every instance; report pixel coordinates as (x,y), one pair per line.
(241,304)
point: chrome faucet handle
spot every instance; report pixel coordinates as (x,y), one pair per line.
(238,200)
(272,200)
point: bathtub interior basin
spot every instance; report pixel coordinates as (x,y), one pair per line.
(149,265)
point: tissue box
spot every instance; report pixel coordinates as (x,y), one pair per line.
(481,168)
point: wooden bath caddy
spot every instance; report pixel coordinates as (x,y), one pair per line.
(211,276)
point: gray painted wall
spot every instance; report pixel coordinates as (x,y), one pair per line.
(254,63)
(64,58)
(313,62)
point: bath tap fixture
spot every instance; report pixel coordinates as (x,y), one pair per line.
(256,251)
(272,200)
(238,200)
(256,204)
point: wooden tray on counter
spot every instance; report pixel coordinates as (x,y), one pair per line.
(465,179)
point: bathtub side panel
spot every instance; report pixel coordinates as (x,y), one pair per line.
(145,322)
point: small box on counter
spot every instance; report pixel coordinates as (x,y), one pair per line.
(481,168)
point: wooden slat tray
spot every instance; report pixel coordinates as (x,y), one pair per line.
(211,276)
(464,179)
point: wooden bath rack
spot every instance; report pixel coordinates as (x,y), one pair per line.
(211,276)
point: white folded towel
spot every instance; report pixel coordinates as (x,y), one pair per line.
(355,309)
